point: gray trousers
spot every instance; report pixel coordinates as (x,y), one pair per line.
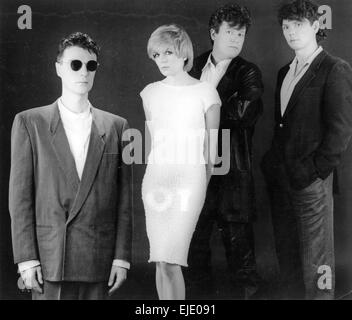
(64,290)
(304,238)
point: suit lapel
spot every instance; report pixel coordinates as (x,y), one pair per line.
(299,89)
(62,150)
(94,155)
(280,80)
(304,82)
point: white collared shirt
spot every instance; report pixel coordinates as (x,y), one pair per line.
(77,128)
(212,73)
(293,76)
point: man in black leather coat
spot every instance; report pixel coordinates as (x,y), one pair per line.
(230,198)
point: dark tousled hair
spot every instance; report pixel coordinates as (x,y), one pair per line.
(299,10)
(78,39)
(233,14)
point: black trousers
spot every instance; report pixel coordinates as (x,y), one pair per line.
(303,231)
(64,290)
(238,240)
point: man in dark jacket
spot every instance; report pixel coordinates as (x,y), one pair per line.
(230,197)
(313,126)
(70,190)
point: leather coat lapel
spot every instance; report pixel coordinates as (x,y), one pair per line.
(225,80)
(95,152)
(228,77)
(62,150)
(199,64)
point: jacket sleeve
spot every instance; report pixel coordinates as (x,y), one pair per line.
(21,194)
(123,248)
(246,105)
(337,116)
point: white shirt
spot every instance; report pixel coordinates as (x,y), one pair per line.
(77,128)
(293,76)
(212,73)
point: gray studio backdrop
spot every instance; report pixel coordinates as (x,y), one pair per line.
(122,29)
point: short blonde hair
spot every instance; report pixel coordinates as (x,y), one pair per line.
(175,36)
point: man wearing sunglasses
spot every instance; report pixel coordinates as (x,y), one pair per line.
(70,192)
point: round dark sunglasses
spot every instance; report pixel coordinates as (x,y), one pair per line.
(76,65)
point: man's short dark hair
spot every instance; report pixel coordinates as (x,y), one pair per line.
(300,10)
(234,14)
(78,39)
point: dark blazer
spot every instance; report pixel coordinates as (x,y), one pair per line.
(241,82)
(316,126)
(74,228)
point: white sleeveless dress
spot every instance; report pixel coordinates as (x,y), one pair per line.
(174,184)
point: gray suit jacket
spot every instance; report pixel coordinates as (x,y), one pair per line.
(75,228)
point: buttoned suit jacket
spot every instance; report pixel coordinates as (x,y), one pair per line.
(74,228)
(316,126)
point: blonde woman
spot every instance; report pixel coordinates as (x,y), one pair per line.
(180,113)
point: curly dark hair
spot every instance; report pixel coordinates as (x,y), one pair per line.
(233,14)
(299,10)
(78,39)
